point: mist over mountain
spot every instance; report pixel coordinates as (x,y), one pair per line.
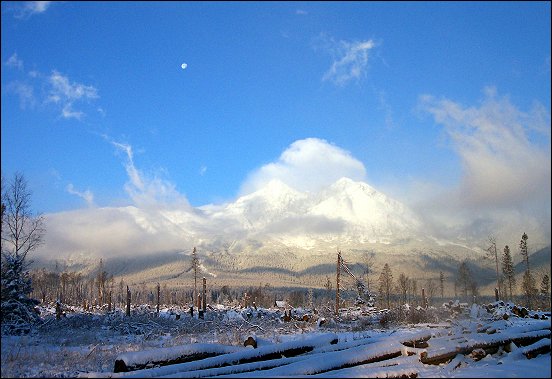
(275,230)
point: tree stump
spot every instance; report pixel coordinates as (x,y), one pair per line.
(250,341)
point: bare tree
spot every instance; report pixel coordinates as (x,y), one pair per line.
(386,283)
(414,290)
(101,279)
(195,266)
(404,284)
(431,288)
(464,279)
(545,292)
(328,286)
(529,288)
(493,255)
(369,259)
(442,285)
(21,233)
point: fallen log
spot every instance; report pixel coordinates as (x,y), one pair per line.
(250,341)
(540,347)
(489,342)
(241,369)
(132,361)
(418,341)
(263,353)
(360,355)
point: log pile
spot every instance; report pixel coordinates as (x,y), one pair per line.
(404,356)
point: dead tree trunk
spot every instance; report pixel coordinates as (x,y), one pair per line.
(158,296)
(58,310)
(424,299)
(204,294)
(337,283)
(128,302)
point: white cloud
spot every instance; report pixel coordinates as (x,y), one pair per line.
(506,167)
(301,12)
(65,93)
(350,60)
(30,8)
(87,195)
(25,92)
(14,62)
(148,191)
(307,165)
(202,170)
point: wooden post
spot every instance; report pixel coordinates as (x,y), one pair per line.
(58,310)
(496,295)
(337,283)
(109,301)
(158,297)
(128,302)
(204,294)
(199,309)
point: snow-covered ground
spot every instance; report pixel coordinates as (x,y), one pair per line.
(477,342)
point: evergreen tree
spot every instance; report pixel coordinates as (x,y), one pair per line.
(17,307)
(523,249)
(508,270)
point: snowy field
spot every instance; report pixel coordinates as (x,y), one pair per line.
(477,341)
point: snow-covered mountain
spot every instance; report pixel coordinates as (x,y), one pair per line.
(346,211)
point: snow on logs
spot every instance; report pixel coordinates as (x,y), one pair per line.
(240,357)
(139,360)
(442,350)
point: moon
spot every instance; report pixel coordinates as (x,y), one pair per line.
(184,65)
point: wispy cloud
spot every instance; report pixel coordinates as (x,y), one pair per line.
(14,62)
(301,12)
(350,60)
(87,195)
(202,170)
(30,8)
(386,108)
(307,165)
(55,91)
(506,164)
(24,91)
(65,93)
(147,191)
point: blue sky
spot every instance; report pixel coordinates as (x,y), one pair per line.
(94,90)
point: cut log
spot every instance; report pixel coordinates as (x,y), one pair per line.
(250,341)
(263,353)
(489,342)
(169,355)
(323,363)
(540,347)
(419,340)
